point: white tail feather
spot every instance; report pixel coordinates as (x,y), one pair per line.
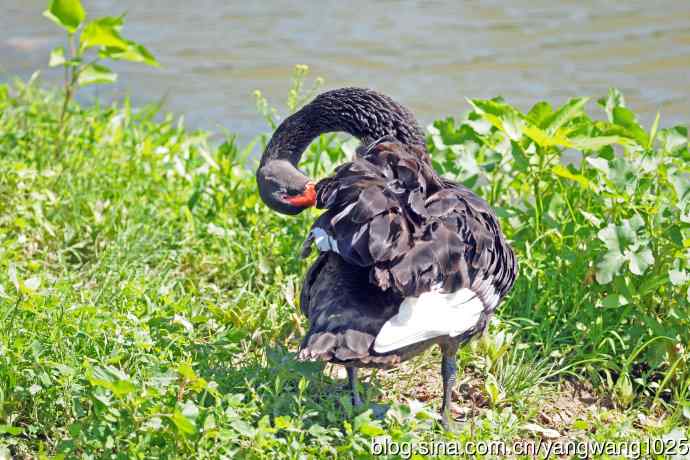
(430,315)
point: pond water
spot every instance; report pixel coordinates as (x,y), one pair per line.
(428,55)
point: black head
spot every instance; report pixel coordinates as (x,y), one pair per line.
(363,113)
(284,188)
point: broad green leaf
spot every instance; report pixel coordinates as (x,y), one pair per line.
(11,430)
(68,14)
(503,116)
(467,161)
(479,126)
(134,52)
(626,118)
(539,112)
(513,126)
(614,301)
(622,174)
(57,57)
(545,139)
(123,388)
(681,185)
(609,266)
(604,128)
(581,425)
(678,277)
(103,32)
(520,161)
(609,235)
(115,22)
(624,243)
(184,424)
(564,114)
(95,74)
(640,260)
(365,425)
(111,378)
(595,143)
(186,371)
(673,139)
(243,428)
(562,171)
(493,107)
(489,110)
(635,222)
(190,410)
(318,431)
(100,376)
(650,284)
(282,422)
(538,136)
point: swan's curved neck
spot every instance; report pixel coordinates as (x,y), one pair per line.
(364,114)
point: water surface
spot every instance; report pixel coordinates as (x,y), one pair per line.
(428,55)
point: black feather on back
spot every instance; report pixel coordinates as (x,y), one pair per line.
(390,212)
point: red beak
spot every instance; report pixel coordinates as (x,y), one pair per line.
(306,200)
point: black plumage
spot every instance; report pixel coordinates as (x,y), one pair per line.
(388,210)
(395,230)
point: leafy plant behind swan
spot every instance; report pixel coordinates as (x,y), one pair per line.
(101,34)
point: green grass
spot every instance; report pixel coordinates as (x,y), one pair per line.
(149,301)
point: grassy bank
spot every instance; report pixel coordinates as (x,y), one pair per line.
(148,300)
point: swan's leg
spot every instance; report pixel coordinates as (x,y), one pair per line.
(352,380)
(448,370)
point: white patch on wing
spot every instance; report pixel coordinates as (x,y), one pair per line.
(487,292)
(324,241)
(430,315)
(493,301)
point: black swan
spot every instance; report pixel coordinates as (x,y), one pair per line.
(407,258)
